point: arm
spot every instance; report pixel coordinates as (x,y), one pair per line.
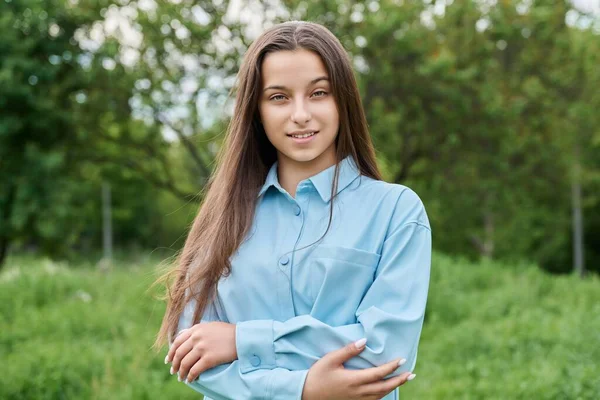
(326,379)
(390,315)
(227,381)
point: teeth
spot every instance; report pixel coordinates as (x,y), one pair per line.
(303,136)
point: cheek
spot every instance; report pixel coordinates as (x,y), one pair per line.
(328,113)
(271,121)
(271,116)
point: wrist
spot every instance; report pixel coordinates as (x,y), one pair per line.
(306,388)
(233,344)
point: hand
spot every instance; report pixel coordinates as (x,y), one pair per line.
(202,347)
(327,379)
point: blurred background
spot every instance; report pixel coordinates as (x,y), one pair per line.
(112,112)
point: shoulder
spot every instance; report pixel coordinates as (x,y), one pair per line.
(403,204)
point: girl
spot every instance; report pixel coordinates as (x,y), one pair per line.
(304,275)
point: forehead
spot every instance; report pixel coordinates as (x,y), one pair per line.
(291,67)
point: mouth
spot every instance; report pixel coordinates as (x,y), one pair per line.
(303,137)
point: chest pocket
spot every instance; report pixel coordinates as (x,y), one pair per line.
(339,279)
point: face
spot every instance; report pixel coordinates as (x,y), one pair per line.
(296,101)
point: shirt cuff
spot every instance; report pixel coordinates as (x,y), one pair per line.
(254,345)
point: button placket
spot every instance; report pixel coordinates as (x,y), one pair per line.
(286,258)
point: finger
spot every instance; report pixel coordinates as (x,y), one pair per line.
(188,362)
(385,386)
(179,339)
(181,352)
(338,357)
(197,369)
(375,374)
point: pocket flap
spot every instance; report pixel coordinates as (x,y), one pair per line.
(349,254)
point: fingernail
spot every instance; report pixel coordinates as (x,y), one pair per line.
(172,372)
(360,343)
(179,378)
(411,377)
(167,359)
(188,381)
(401,362)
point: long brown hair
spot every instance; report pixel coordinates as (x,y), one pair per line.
(227,211)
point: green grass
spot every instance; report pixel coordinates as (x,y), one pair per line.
(492,331)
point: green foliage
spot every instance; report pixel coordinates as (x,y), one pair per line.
(77,333)
(66,126)
(485,110)
(479,108)
(492,331)
(38,73)
(498,331)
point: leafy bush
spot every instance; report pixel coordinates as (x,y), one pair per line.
(491,332)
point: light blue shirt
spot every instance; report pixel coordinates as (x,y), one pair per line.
(368,277)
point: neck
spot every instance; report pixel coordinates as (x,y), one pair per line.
(291,172)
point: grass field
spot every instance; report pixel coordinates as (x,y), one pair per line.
(492,331)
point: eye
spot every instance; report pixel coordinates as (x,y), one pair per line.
(320,91)
(276,96)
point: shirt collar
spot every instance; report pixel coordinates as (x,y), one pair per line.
(321,181)
(271,180)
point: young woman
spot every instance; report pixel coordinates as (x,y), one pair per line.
(304,275)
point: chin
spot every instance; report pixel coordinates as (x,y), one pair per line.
(305,156)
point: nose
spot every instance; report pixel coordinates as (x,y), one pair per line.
(300,113)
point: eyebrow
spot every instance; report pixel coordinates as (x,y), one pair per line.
(279,87)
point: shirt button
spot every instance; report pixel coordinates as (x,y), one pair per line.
(284,260)
(297,210)
(255,361)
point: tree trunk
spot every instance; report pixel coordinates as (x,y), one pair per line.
(107,234)
(5,221)
(578,260)
(485,244)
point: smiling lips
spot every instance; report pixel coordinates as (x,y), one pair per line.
(302,136)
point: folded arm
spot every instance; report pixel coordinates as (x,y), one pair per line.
(227,381)
(390,315)
(274,357)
